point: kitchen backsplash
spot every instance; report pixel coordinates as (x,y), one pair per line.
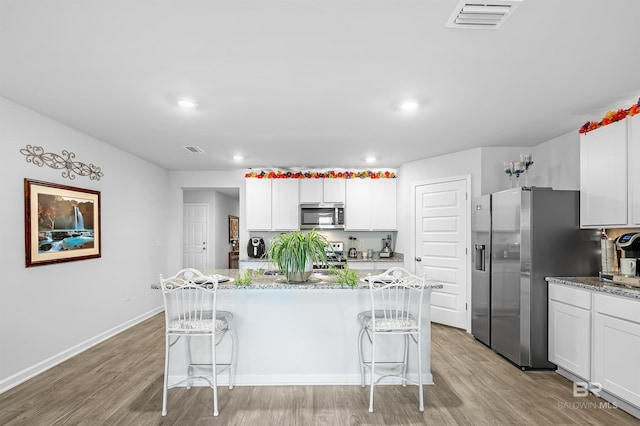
(365,240)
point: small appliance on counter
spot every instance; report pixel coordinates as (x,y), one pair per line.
(353,252)
(386,247)
(630,244)
(256,248)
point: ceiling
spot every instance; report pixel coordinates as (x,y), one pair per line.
(315,84)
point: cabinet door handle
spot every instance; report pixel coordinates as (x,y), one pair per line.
(418,259)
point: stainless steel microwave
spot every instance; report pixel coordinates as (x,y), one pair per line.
(322,216)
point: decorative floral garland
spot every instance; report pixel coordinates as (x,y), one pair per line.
(321,175)
(611,117)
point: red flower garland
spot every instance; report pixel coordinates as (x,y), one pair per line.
(331,174)
(611,117)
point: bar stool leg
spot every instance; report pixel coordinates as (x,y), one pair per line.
(360,356)
(406,360)
(420,391)
(232,361)
(215,375)
(373,366)
(165,387)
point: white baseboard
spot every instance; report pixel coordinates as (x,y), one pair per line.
(48,363)
(292,380)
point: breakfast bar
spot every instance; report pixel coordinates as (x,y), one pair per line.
(289,334)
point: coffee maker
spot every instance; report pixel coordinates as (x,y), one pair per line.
(630,244)
(386,247)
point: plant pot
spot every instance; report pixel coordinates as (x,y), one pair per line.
(301,276)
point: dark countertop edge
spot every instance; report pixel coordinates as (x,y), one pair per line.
(596,284)
(266,282)
(397,257)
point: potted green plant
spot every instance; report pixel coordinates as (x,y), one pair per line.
(295,253)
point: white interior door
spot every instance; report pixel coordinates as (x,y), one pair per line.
(441,246)
(194,233)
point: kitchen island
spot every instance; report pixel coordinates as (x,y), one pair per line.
(305,334)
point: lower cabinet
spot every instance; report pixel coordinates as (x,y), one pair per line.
(379,266)
(595,337)
(616,363)
(570,329)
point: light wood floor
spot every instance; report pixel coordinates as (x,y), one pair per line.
(119,382)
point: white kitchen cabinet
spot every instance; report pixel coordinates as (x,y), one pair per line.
(327,190)
(258,204)
(570,329)
(272,204)
(358,211)
(334,190)
(617,346)
(603,176)
(285,210)
(370,205)
(634,170)
(378,266)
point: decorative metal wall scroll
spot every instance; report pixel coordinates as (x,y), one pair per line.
(71,168)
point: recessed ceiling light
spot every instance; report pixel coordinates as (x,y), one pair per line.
(238,157)
(187,103)
(409,105)
(370,159)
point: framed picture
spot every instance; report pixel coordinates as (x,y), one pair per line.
(62,223)
(234,228)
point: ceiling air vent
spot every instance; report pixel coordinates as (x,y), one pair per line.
(484,16)
(194,149)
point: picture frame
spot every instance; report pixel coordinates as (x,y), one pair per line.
(62,223)
(234,228)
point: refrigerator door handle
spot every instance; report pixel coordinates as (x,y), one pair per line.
(479,257)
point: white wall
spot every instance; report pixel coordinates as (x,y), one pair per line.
(50,312)
(493,177)
(220,207)
(557,162)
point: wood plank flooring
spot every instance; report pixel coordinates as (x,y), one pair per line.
(119,382)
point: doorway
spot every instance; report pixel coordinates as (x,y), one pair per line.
(441,241)
(207,242)
(195,236)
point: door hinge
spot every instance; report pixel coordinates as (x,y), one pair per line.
(466,195)
(466,308)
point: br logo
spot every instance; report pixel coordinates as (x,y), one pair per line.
(582,389)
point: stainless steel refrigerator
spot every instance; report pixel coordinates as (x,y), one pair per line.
(481,269)
(535,233)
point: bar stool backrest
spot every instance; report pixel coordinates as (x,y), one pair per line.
(396,301)
(190,301)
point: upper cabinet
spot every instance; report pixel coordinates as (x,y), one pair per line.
(285,209)
(370,205)
(325,190)
(272,204)
(634,171)
(258,204)
(608,159)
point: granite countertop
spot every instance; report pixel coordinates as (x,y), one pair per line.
(597,284)
(396,257)
(271,282)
